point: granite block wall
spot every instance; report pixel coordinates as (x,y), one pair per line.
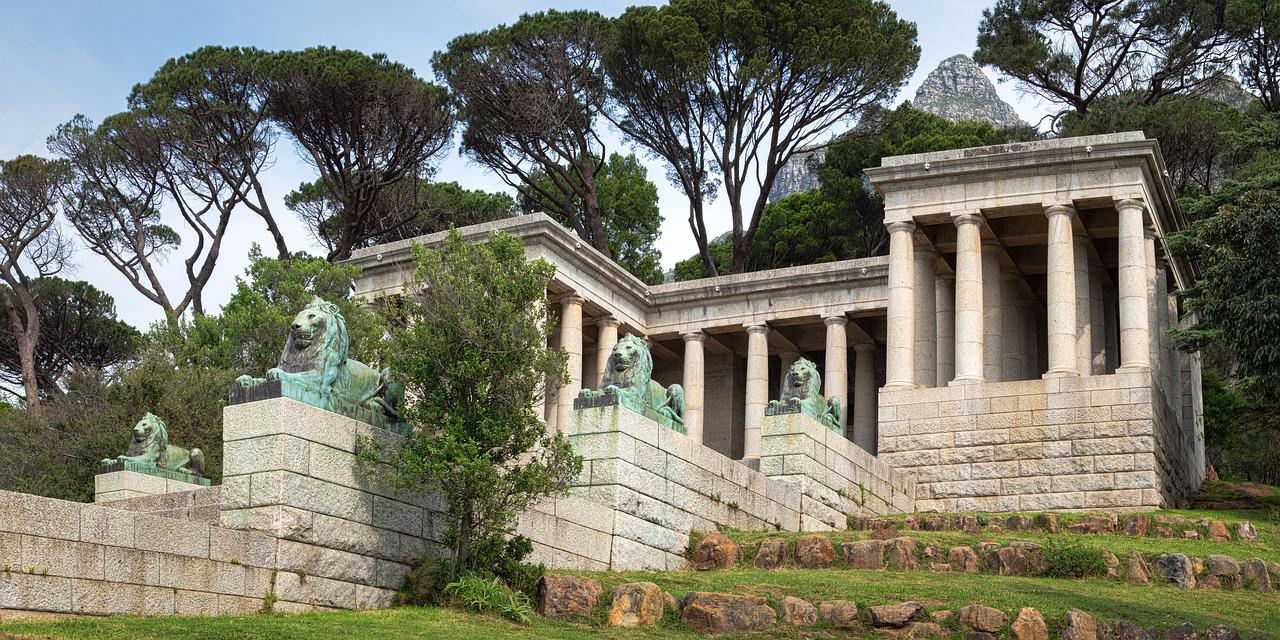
(1072,443)
(835,477)
(201,505)
(660,485)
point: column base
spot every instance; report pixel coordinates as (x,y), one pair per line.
(966,380)
(1061,373)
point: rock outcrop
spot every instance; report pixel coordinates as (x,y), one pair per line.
(958,90)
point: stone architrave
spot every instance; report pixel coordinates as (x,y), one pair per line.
(314,369)
(628,382)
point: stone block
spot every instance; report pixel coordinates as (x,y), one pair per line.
(151,533)
(50,556)
(107,598)
(238,606)
(315,591)
(311,560)
(195,603)
(285,415)
(373,597)
(629,555)
(39,516)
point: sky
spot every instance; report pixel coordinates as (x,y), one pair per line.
(59,58)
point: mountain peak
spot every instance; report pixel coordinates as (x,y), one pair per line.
(958,90)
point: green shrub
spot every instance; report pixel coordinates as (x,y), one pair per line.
(489,595)
(1073,560)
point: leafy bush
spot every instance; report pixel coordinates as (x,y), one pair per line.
(489,595)
(1073,560)
(493,558)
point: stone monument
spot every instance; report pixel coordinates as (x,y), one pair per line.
(628,382)
(150,466)
(315,369)
(800,395)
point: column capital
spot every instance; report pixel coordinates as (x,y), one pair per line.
(762,329)
(1059,209)
(1148,232)
(1130,203)
(607,321)
(694,336)
(900,226)
(571,298)
(864,347)
(968,217)
(841,320)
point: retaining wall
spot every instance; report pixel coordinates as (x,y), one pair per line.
(200,505)
(835,477)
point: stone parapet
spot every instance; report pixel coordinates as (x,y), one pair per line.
(660,485)
(123,482)
(201,505)
(835,477)
(1068,443)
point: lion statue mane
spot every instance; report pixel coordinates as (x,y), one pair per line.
(800,390)
(315,359)
(150,446)
(628,375)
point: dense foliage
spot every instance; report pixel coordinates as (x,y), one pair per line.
(473,358)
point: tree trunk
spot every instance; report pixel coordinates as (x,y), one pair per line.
(595,222)
(700,236)
(26,334)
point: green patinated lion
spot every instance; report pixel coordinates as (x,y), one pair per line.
(800,390)
(150,446)
(314,368)
(628,375)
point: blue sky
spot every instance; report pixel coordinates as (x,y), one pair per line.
(60,58)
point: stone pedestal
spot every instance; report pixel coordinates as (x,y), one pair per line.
(129,483)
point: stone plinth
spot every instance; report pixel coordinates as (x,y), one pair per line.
(659,485)
(834,476)
(127,482)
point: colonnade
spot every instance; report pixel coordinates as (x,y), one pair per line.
(976,326)
(860,420)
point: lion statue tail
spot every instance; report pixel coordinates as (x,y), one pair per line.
(195,462)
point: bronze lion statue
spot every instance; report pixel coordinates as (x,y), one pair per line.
(314,368)
(150,446)
(628,375)
(800,391)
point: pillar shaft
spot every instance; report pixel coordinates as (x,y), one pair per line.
(1153,308)
(757,389)
(864,397)
(571,342)
(1084,312)
(900,341)
(945,304)
(542,316)
(1030,339)
(968,301)
(694,383)
(926,319)
(836,377)
(1061,287)
(604,347)
(1135,334)
(992,313)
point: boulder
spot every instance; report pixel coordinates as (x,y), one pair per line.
(1184,631)
(719,613)
(897,615)
(714,551)
(771,553)
(636,604)
(1093,524)
(795,611)
(1220,565)
(981,618)
(1222,632)
(963,560)
(863,554)
(840,614)
(1019,523)
(1218,531)
(561,596)
(1209,583)
(1048,521)
(936,523)
(1135,525)
(885,534)
(925,630)
(1191,535)
(1139,572)
(1014,560)
(1177,568)
(939,567)
(1079,626)
(814,551)
(902,554)
(1030,625)
(1256,577)
(967,524)
(1113,563)
(1125,630)
(978,635)
(1246,532)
